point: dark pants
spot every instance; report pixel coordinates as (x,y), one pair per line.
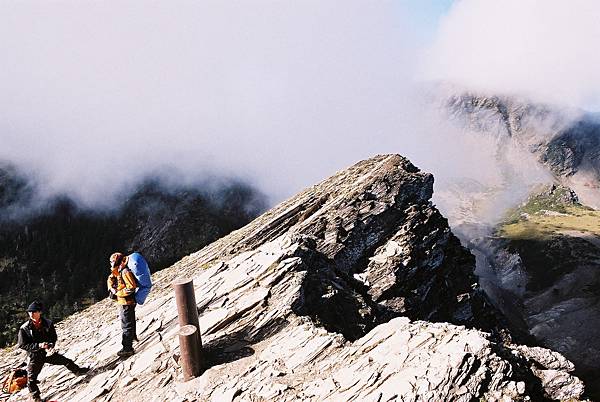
(127,316)
(36,362)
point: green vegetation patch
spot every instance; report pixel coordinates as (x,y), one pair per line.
(552,210)
(543,225)
(553,234)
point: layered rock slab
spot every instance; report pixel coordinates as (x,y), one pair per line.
(300,304)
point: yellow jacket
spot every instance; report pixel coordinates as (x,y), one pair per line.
(125,284)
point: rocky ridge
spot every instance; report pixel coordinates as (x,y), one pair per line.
(355,289)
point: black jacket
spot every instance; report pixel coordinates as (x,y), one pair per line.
(30,338)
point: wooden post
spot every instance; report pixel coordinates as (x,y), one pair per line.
(185,298)
(190,352)
(187,311)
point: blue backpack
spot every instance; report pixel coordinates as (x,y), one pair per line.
(139,267)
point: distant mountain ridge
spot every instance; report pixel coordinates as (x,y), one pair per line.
(565,140)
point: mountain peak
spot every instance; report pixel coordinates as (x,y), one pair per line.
(354,288)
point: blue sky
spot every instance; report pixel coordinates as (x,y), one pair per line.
(425,15)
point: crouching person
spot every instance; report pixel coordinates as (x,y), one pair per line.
(37,336)
(122,286)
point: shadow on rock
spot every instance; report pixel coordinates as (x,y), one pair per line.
(237,345)
(108,366)
(226,349)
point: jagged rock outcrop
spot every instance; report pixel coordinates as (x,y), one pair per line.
(349,291)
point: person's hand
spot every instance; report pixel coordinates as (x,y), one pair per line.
(46,346)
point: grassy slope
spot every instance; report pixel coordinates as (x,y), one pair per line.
(553,235)
(545,215)
(543,225)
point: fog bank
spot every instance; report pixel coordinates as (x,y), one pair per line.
(97,95)
(545,50)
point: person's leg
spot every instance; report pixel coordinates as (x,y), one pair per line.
(127,315)
(61,360)
(134,324)
(36,362)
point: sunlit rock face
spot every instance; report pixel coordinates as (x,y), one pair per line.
(355,289)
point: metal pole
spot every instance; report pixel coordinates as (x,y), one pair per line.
(190,352)
(187,311)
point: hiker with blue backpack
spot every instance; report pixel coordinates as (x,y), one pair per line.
(129,284)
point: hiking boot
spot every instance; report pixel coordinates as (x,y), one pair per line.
(125,352)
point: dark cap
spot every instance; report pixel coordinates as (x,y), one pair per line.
(35,306)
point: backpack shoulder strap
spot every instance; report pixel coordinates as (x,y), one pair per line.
(126,269)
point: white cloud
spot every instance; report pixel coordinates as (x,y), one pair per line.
(546,50)
(94,93)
